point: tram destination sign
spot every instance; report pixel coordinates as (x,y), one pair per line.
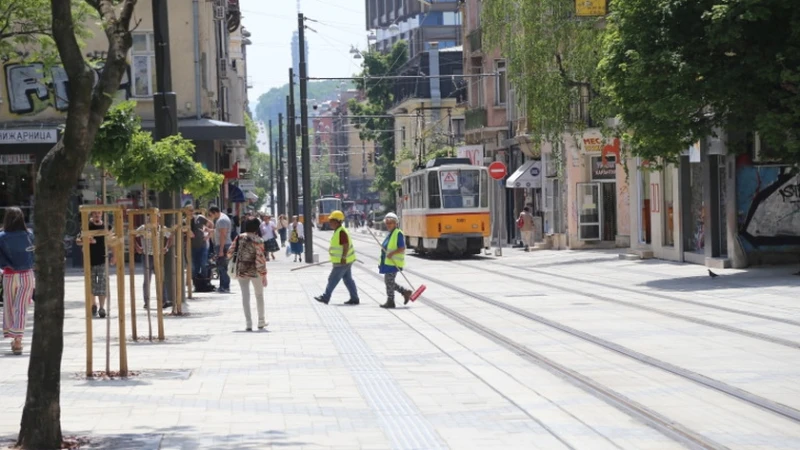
(29,136)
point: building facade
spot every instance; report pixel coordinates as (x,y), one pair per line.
(418,23)
(33,104)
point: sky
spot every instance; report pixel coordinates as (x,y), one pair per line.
(272,23)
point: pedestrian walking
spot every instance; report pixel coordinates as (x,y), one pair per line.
(393,258)
(283,224)
(525,224)
(269,233)
(296,238)
(343,254)
(16,260)
(201,228)
(97,263)
(144,246)
(222,243)
(251,269)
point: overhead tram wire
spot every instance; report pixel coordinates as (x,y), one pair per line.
(403,77)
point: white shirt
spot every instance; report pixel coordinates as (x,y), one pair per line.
(268,230)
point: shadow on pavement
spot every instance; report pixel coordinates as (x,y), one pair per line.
(751,280)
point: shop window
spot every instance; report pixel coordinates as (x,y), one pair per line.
(16,189)
(143,57)
(589,224)
(669,208)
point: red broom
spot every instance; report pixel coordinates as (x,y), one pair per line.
(418,291)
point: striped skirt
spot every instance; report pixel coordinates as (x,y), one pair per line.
(17,292)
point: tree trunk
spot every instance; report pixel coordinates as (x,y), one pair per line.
(58,173)
(41,418)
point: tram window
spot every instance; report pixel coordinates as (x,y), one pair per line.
(484,189)
(460,189)
(434,198)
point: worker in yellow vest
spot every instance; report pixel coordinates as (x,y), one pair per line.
(343,255)
(393,257)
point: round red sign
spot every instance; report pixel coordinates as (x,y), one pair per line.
(497,170)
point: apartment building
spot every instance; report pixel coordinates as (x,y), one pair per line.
(419,23)
(208,79)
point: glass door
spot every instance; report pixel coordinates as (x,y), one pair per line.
(589,206)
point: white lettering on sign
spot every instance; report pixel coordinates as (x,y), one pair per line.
(449,181)
(29,136)
(13,160)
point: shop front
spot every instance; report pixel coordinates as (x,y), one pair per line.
(21,151)
(598,195)
(657,212)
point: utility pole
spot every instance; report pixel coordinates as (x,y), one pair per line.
(305,154)
(272,184)
(291,137)
(166,117)
(281,175)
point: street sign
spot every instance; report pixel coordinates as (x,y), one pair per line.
(247,185)
(498,170)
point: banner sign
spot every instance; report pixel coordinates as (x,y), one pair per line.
(591,8)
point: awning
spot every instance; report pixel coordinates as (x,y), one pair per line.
(205,129)
(529,176)
(251,196)
(236,194)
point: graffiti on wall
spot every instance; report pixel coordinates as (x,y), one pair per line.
(31,89)
(768,204)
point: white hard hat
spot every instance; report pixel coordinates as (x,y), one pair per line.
(390,216)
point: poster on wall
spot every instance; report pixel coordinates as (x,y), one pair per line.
(473,152)
(449,180)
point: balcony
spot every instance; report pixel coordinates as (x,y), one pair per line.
(475,40)
(475,118)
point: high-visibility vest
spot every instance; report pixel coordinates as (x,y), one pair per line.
(336,250)
(398,260)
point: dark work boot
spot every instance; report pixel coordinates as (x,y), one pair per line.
(389,304)
(322,299)
(407,297)
(352,302)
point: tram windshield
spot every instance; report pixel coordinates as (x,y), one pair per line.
(458,188)
(328,205)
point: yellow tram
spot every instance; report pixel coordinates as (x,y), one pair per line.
(325,206)
(445,208)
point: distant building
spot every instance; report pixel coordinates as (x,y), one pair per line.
(296,57)
(418,23)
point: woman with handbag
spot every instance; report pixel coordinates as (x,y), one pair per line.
(296,238)
(249,267)
(16,260)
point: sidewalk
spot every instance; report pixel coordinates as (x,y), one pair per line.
(319,377)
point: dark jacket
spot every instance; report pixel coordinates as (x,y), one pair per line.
(16,250)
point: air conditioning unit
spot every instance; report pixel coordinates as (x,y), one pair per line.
(223,68)
(219,12)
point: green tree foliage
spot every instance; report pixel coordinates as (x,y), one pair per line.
(115,136)
(25,33)
(380,98)
(551,55)
(274,101)
(252,135)
(204,184)
(675,70)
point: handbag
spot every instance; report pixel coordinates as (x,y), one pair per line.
(232,272)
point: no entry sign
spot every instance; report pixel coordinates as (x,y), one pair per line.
(498,170)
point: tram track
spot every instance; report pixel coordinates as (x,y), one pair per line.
(768,317)
(703,322)
(716,385)
(664,425)
(698,321)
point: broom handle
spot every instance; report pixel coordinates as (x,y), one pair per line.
(383,249)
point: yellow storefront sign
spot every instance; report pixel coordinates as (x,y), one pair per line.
(591,8)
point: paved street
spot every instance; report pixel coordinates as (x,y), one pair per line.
(549,349)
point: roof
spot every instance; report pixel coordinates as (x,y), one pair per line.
(205,129)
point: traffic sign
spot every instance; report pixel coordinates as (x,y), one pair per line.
(498,170)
